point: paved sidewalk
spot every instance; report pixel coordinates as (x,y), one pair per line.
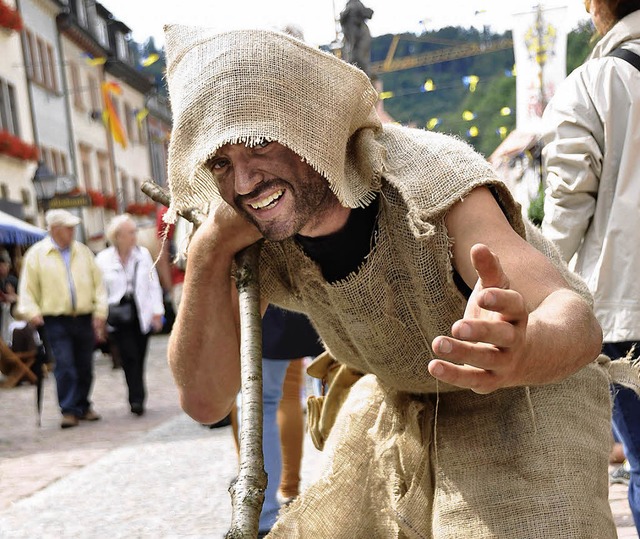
(161,475)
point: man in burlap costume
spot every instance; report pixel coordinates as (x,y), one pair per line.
(480,406)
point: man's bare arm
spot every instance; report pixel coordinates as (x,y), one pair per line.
(523,325)
(204,346)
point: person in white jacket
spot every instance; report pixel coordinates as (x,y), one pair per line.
(592,202)
(129,273)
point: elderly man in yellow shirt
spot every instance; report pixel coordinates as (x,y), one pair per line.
(61,289)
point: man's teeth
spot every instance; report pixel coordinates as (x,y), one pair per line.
(266,201)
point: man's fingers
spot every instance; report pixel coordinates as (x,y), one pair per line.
(499,333)
(466,376)
(481,355)
(508,303)
(488,267)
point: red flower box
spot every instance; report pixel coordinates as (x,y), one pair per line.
(110,202)
(10,18)
(97,198)
(15,147)
(136,208)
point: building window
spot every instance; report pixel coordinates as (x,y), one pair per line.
(126,189)
(4,191)
(25,195)
(85,162)
(8,108)
(76,86)
(103,172)
(81,13)
(31,56)
(122,49)
(139,196)
(100,27)
(130,122)
(142,130)
(55,160)
(52,77)
(94,94)
(41,64)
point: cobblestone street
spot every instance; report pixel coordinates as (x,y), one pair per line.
(156,476)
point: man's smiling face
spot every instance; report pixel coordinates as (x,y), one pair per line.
(276,190)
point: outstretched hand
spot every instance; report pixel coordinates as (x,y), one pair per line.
(487,349)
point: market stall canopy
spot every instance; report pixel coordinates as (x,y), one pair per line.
(14,230)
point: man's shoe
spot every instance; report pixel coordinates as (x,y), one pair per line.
(68,421)
(90,415)
(137,408)
(620,475)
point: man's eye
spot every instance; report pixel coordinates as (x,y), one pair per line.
(218,164)
(262,144)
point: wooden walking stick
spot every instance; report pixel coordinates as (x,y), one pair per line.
(247,492)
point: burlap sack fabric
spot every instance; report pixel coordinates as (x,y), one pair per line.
(407,457)
(276,88)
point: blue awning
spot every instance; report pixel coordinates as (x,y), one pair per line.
(14,230)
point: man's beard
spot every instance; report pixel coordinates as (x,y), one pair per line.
(312,201)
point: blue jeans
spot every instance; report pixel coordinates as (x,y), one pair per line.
(626,425)
(72,342)
(273,373)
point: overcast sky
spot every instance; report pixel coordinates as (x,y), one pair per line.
(316,17)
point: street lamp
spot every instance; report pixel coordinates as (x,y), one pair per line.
(48,185)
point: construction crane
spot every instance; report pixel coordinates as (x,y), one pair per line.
(454,51)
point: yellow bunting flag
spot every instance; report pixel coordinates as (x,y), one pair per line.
(433,122)
(505,111)
(471,81)
(110,116)
(92,60)
(385,95)
(148,60)
(467,115)
(141,115)
(502,131)
(428,86)
(473,131)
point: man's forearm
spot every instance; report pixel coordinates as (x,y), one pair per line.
(563,336)
(204,348)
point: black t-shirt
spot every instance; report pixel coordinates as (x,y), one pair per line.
(342,253)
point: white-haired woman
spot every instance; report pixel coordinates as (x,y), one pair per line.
(129,275)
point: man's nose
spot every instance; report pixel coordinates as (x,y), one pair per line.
(247,177)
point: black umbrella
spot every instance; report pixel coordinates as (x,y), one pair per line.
(43,356)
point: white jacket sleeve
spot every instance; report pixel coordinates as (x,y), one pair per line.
(573,160)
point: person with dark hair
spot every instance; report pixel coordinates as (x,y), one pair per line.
(592,208)
(8,293)
(464,397)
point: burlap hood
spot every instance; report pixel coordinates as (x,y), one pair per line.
(246,86)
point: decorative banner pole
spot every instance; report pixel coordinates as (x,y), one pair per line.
(247,492)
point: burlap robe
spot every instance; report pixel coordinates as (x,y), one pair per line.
(516,463)
(397,466)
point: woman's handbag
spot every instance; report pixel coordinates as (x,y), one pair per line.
(121,314)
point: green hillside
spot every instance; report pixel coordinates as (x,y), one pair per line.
(450,97)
